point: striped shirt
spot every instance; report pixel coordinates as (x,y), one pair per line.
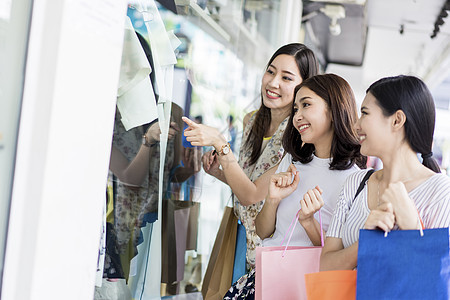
(432,199)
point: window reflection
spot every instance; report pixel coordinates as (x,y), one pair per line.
(211,85)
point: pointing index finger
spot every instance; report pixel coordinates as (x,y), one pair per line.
(189,121)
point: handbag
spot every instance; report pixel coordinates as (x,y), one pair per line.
(332,285)
(403,264)
(219,271)
(279,271)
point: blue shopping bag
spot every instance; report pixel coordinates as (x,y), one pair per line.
(240,260)
(403,264)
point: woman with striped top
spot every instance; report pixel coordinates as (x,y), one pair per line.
(397,122)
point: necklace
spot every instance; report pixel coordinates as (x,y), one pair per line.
(378,193)
(378,188)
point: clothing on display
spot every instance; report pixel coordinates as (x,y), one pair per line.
(135,98)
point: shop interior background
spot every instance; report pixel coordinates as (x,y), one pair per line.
(222,51)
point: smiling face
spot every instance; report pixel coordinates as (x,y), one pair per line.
(373,127)
(312,119)
(279,82)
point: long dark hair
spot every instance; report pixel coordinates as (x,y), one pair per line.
(410,95)
(338,95)
(308,66)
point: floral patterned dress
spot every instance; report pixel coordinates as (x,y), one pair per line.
(270,156)
(244,288)
(133,204)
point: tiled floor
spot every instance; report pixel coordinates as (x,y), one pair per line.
(191,296)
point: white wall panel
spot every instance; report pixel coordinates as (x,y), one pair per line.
(63,149)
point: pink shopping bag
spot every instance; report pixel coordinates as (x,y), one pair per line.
(280,271)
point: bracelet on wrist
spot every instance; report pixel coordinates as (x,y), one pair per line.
(224,150)
(146,143)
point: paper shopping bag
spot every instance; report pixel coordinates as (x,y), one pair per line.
(175,223)
(192,229)
(219,272)
(403,264)
(331,285)
(280,271)
(282,277)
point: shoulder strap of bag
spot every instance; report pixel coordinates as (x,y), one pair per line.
(363,182)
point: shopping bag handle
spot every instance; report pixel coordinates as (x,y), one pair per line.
(420,222)
(294,222)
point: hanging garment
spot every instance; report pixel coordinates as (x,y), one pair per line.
(133,203)
(135,97)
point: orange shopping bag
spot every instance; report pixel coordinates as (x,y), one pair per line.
(332,285)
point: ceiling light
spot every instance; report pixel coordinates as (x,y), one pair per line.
(334,12)
(440,19)
(335,28)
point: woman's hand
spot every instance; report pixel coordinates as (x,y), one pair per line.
(312,201)
(173,130)
(211,163)
(281,185)
(192,158)
(382,217)
(153,132)
(405,211)
(202,135)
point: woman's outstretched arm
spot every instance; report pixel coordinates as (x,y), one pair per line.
(247,192)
